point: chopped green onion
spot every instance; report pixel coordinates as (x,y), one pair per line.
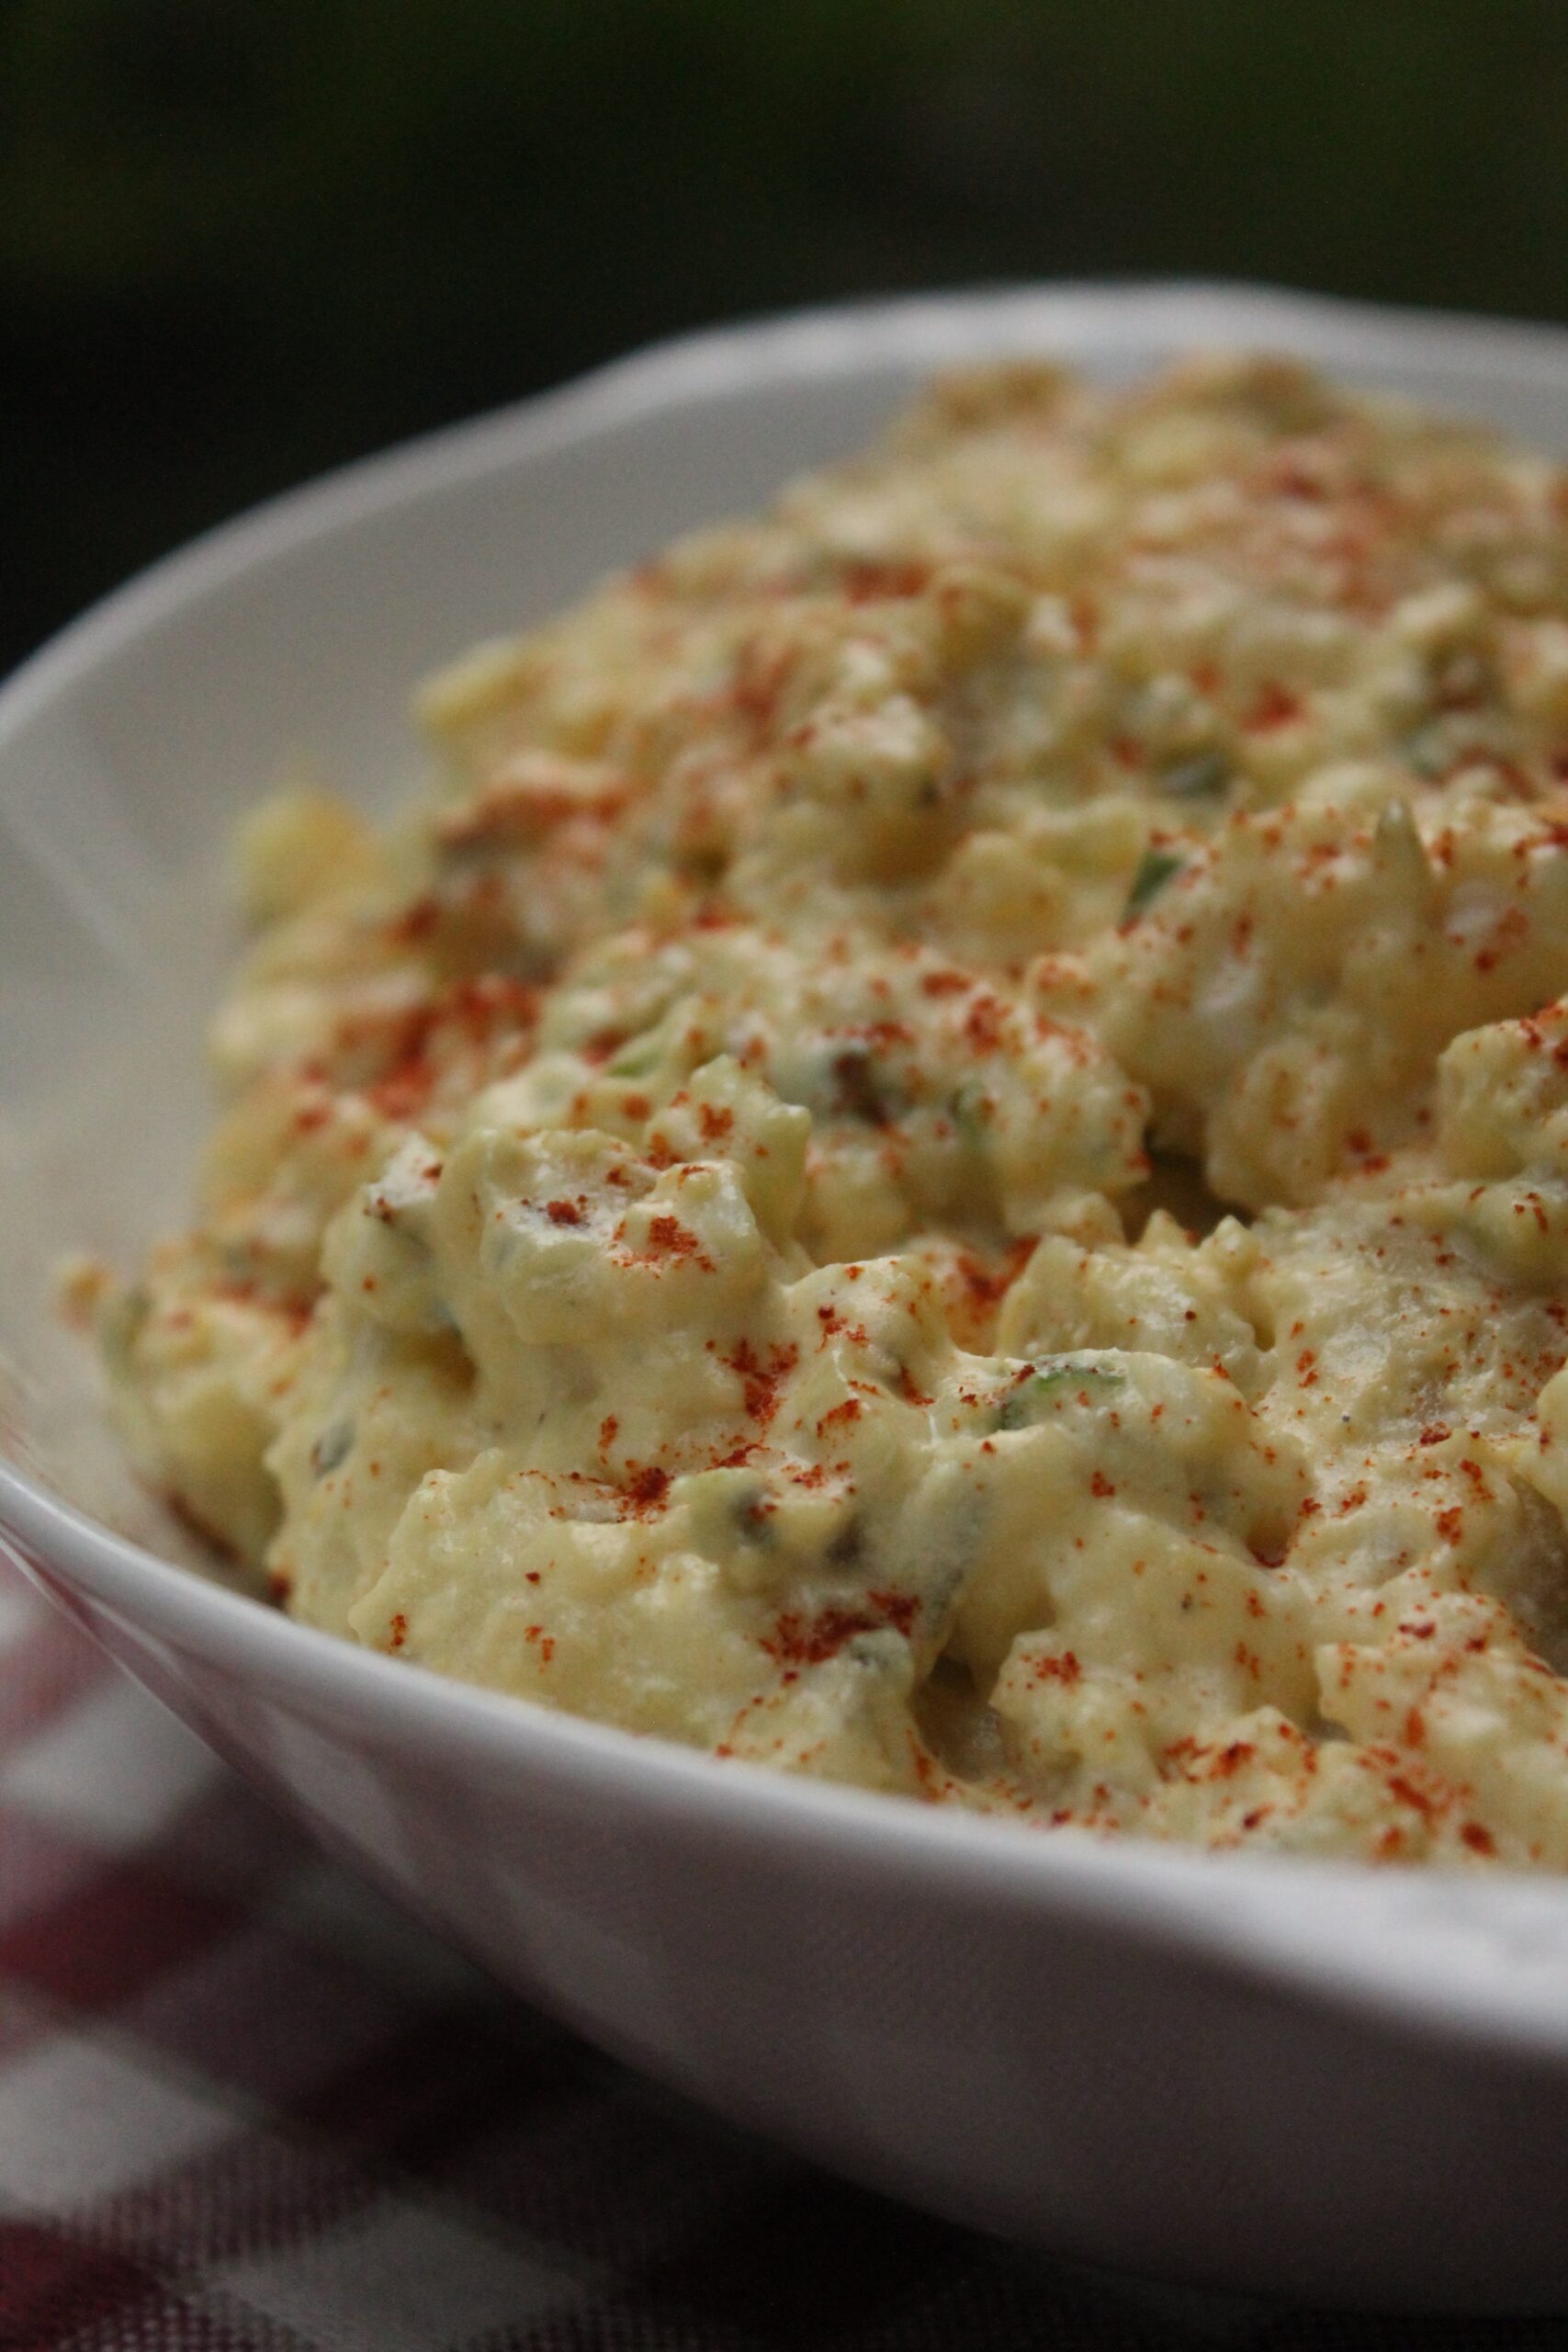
(1202,777)
(332,1448)
(1050,1379)
(637,1060)
(968,1108)
(1156,868)
(1429,750)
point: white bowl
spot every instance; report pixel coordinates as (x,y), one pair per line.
(1315,2079)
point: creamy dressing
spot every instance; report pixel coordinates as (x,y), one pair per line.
(940,1158)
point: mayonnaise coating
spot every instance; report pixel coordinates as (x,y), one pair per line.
(940,1158)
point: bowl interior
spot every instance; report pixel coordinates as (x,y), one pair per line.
(126,750)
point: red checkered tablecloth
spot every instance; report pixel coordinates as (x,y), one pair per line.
(244,2106)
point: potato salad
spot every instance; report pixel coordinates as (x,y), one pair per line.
(940,1158)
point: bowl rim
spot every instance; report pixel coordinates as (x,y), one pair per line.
(1478,1958)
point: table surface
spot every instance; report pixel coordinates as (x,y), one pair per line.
(246,2107)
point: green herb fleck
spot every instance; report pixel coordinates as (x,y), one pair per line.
(1429,750)
(1156,868)
(968,1109)
(1053,1379)
(1202,777)
(332,1448)
(640,1059)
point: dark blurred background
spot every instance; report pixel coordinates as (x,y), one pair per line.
(239,243)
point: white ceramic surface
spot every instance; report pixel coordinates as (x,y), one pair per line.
(1318,2080)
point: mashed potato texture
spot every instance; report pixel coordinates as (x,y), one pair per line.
(941,1159)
